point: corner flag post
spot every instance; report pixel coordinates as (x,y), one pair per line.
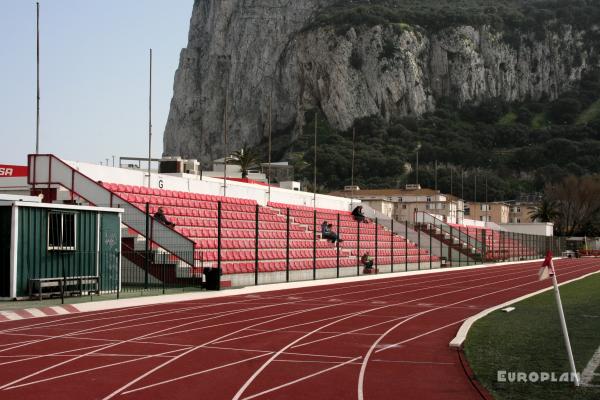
(548,263)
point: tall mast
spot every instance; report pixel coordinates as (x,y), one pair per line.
(37,119)
(150,121)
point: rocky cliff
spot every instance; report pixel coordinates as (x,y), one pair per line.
(242,53)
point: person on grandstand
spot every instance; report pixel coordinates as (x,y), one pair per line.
(328,233)
(367,261)
(161,217)
(358,215)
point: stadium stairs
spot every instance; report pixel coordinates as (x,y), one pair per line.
(475,243)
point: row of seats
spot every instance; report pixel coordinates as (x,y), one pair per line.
(118,187)
(196,218)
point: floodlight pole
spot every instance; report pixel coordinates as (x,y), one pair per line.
(150,121)
(315,167)
(270,132)
(563,325)
(352,167)
(225,140)
(37,119)
(435,175)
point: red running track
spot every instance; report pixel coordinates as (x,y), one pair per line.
(377,339)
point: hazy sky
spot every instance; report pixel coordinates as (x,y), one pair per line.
(94,76)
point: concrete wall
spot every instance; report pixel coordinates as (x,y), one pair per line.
(542,228)
(208,185)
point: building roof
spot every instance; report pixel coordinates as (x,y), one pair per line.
(386,193)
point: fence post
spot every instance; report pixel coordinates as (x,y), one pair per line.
(376,244)
(147,247)
(119,262)
(314,244)
(164,276)
(287,245)
(256,247)
(419,248)
(357,248)
(431,245)
(451,242)
(405,245)
(392,246)
(484,245)
(339,230)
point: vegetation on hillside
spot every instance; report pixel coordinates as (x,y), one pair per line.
(433,15)
(540,144)
(493,151)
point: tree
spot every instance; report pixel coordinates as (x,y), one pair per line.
(578,203)
(246,158)
(545,212)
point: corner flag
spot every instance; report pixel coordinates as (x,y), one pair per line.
(545,272)
(547,269)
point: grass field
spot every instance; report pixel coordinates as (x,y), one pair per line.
(529,339)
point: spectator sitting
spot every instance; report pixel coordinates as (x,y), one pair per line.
(328,233)
(367,261)
(160,217)
(358,215)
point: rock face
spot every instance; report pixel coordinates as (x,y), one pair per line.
(242,53)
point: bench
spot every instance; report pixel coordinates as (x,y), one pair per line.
(70,285)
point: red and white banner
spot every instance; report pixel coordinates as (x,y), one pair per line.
(12,171)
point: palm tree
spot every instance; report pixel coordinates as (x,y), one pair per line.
(546,211)
(246,158)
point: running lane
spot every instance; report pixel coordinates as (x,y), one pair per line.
(377,339)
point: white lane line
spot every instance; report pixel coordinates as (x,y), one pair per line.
(106,347)
(389,346)
(120,390)
(302,379)
(361,376)
(309,362)
(196,373)
(588,373)
(150,372)
(353,331)
(483,277)
(259,371)
(461,335)
(413,362)
(50,355)
(287,353)
(454,277)
(13,343)
(83,371)
(100,355)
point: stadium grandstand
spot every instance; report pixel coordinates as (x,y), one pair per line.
(256,234)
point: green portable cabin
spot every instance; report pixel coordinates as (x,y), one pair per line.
(40,240)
